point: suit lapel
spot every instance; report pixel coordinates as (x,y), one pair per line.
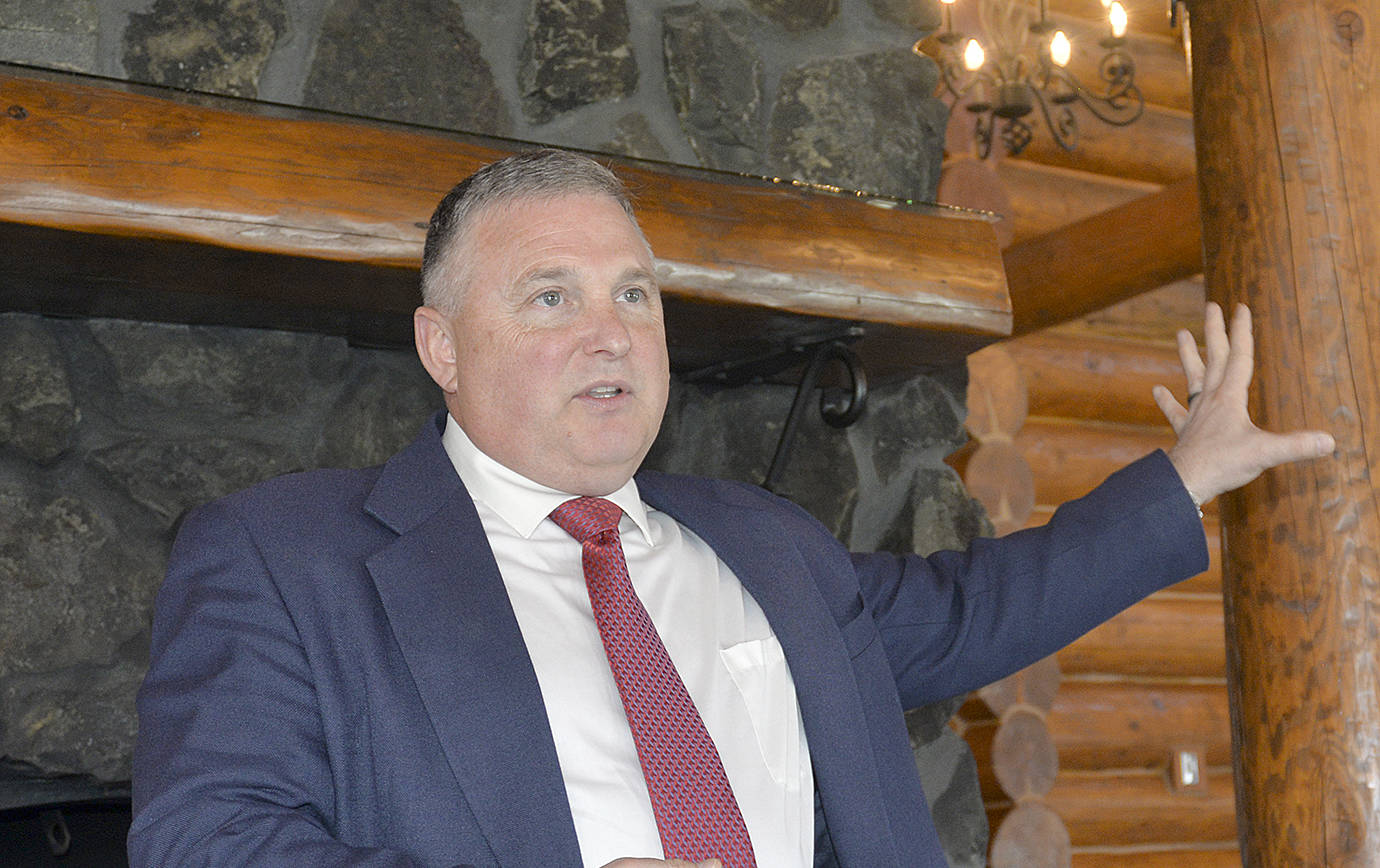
(774,571)
(449,610)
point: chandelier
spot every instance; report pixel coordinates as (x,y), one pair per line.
(1024,66)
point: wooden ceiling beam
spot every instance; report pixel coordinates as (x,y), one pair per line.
(1045,198)
(1103,259)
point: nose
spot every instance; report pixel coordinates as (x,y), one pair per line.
(606,332)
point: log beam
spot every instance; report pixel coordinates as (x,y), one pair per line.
(1088,265)
(200,179)
(1288,110)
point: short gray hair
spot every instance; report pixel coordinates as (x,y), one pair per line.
(545,173)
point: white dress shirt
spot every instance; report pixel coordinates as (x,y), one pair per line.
(714,632)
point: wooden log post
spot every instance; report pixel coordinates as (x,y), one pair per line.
(1288,115)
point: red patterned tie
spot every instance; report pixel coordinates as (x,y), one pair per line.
(696,813)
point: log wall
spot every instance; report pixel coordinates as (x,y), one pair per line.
(1151,683)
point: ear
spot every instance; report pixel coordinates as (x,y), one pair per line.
(435,346)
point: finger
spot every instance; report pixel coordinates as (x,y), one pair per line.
(1241,358)
(1218,348)
(1173,411)
(1191,361)
(1296,446)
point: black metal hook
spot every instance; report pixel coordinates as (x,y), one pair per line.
(839,408)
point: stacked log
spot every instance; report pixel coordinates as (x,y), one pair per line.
(1146,691)
(1023,757)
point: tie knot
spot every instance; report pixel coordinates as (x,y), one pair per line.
(585,517)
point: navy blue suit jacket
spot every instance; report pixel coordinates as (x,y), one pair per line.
(338,678)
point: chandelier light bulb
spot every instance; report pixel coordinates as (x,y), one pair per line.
(1105,3)
(1116,14)
(952,2)
(973,56)
(1060,49)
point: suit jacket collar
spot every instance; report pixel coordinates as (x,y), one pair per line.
(449,610)
(766,558)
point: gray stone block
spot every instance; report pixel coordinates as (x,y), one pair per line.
(52,33)
(797,15)
(75,582)
(577,52)
(379,412)
(201,372)
(213,45)
(405,60)
(79,720)
(714,76)
(54,16)
(922,16)
(38,415)
(866,123)
(169,476)
(633,137)
(949,776)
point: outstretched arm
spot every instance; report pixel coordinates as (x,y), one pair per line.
(1219,447)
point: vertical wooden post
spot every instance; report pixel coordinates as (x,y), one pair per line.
(1287,114)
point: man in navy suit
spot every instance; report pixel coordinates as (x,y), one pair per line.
(404,665)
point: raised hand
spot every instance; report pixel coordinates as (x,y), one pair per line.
(1219,447)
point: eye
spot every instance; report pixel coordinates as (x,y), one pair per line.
(634,294)
(549,298)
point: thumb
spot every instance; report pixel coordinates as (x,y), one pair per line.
(1297,446)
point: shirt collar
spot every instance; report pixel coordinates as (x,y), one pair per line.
(517,500)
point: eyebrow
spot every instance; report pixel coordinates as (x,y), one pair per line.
(563,274)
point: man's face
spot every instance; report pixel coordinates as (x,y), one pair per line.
(560,366)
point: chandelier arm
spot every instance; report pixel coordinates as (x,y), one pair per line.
(959,86)
(1122,103)
(1065,132)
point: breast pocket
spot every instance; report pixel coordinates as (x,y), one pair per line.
(758,668)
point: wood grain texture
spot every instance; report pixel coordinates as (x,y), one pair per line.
(1288,103)
(1096,379)
(122,161)
(1098,725)
(1223,855)
(1105,258)
(1140,808)
(1167,635)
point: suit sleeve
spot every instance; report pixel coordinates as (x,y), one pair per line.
(956,621)
(230,766)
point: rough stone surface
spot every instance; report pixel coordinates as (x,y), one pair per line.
(949,776)
(74,584)
(405,60)
(864,123)
(922,16)
(60,33)
(217,372)
(76,721)
(733,434)
(213,45)
(714,76)
(633,137)
(576,53)
(37,413)
(380,412)
(170,476)
(796,15)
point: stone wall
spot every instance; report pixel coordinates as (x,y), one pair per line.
(111,430)
(824,90)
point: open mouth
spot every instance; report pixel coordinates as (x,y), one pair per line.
(604,392)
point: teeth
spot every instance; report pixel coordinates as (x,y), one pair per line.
(603,391)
